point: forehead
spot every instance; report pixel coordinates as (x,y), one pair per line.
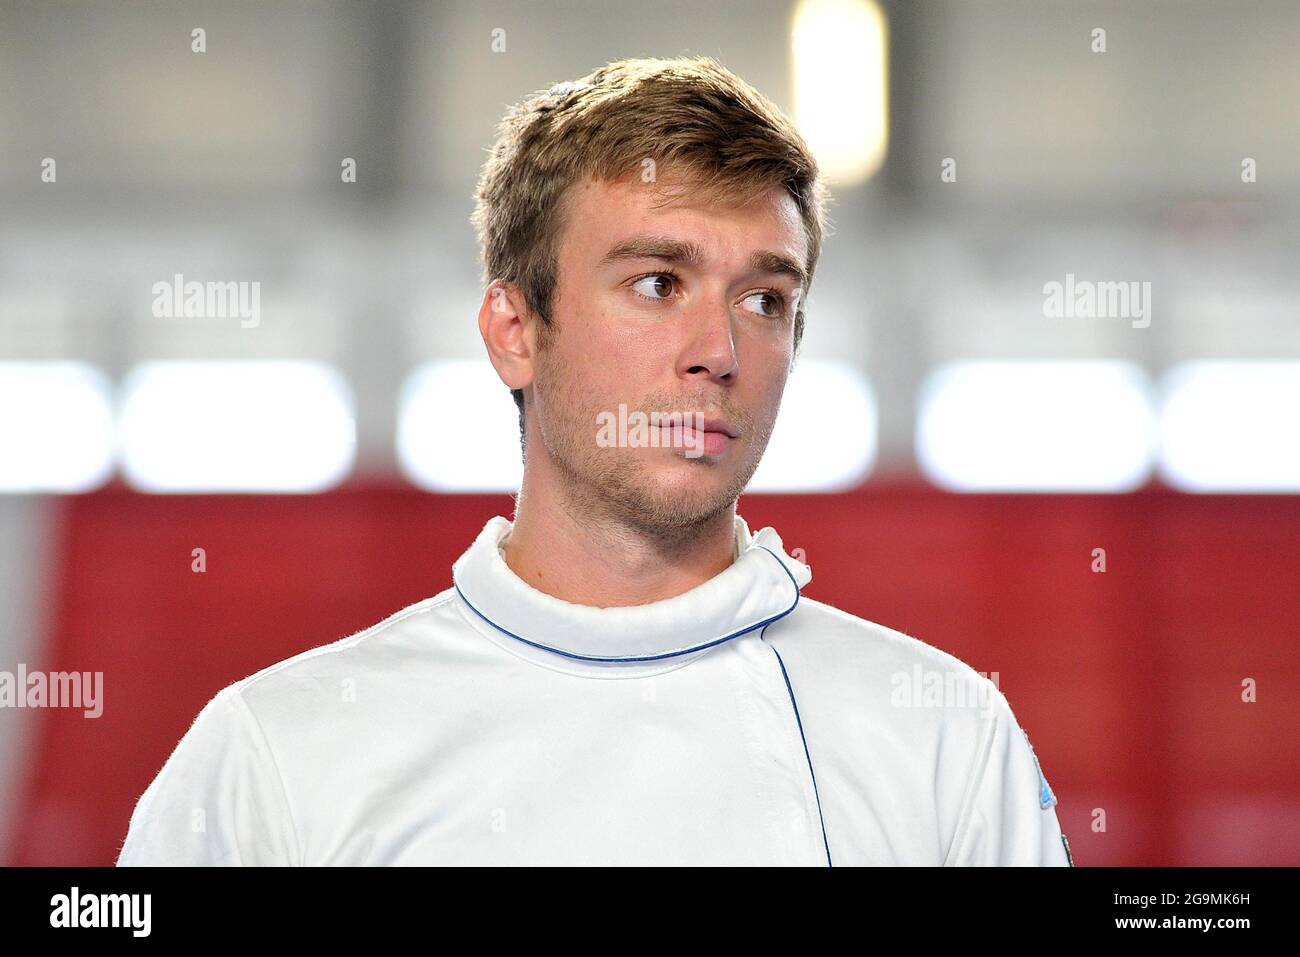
(602,214)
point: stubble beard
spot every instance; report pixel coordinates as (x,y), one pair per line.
(619,484)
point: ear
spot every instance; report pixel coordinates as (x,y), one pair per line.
(506,325)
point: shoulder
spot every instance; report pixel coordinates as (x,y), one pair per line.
(825,636)
(882,688)
(334,670)
(910,721)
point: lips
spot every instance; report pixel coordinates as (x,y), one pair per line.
(711,423)
(720,425)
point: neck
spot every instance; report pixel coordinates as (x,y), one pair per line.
(588,556)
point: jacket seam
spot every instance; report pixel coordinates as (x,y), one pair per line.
(821,818)
(972,794)
(265,745)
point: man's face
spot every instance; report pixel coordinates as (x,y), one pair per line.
(715,338)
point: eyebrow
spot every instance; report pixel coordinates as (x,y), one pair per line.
(689,253)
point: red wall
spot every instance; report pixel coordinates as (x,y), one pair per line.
(1128,682)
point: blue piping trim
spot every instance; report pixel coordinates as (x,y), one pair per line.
(820,817)
(669,654)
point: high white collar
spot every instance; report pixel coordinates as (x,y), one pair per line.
(759,587)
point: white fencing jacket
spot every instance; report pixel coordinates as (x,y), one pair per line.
(493,724)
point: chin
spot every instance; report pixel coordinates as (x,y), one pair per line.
(692,493)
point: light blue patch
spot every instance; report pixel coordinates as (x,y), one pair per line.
(1045,796)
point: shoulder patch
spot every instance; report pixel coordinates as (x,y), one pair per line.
(1045,796)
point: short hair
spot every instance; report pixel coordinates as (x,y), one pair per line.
(715,132)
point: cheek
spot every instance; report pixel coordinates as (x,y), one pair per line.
(620,358)
(583,378)
(769,382)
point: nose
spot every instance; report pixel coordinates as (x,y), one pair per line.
(711,352)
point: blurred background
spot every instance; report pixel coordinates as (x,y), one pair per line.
(1091,489)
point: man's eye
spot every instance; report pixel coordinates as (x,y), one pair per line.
(777,304)
(659,282)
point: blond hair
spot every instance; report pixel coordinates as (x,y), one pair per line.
(690,114)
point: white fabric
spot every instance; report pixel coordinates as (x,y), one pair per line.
(738,723)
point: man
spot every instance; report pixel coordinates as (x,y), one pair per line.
(624,674)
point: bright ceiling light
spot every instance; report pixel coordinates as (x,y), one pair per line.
(841,83)
(236,426)
(56,431)
(1231,426)
(826,431)
(1036,426)
(458,429)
